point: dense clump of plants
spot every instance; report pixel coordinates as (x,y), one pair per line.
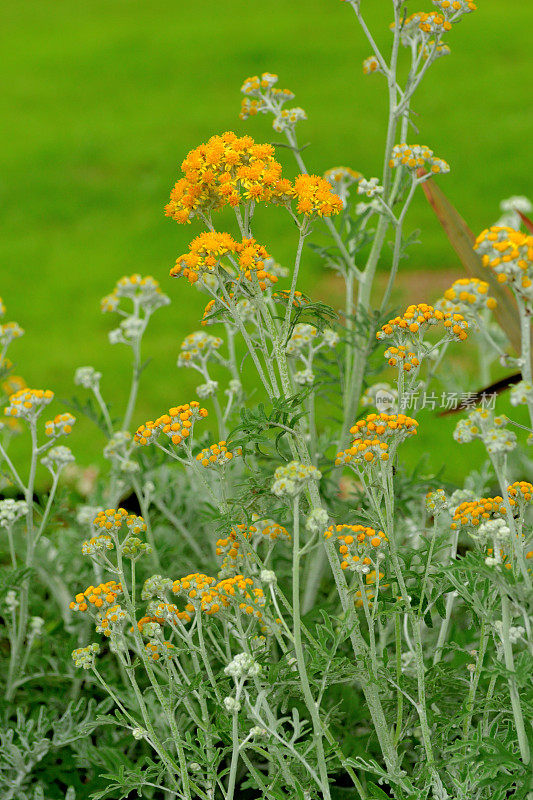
(257,599)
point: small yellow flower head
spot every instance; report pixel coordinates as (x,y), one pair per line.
(144,292)
(61,425)
(360,547)
(370,65)
(8,332)
(97,598)
(415,157)
(467,295)
(417,319)
(178,424)
(217,455)
(262,96)
(509,253)
(226,171)
(197,348)
(28,403)
(219,254)
(314,197)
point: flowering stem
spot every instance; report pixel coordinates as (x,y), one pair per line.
(513,690)
(298,650)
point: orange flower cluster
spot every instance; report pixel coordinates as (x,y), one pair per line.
(370,438)
(28,402)
(111,520)
(418,318)
(227,170)
(473,512)
(521,492)
(155,649)
(358,546)
(100,597)
(314,196)
(208,249)
(400,355)
(60,425)
(211,597)
(230,547)
(217,455)
(177,424)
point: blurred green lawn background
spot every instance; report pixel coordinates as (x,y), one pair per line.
(102,99)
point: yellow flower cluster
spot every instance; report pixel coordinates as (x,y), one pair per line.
(370,438)
(473,512)
(262,95)
(418,318)
(509,253)
(452,7)
(401,355)
(156,649)
(208,249)
(167,612)
(433,23)
(28,403)
(211,597)
(100,597)
(60,425)
(469,292)
(417,156)
(522,491)
(314,196)
(177,424)
(198,346)
(358,546)
(217,455)
(112,519)
(227,170)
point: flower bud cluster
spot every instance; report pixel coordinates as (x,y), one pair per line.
(262,96)
(291,479)
(87,377)
(197,348)
(243,666)
(436,501)
(85,656)
(57,458)
(467,295)
(11,511)
(481,424)
(417,319)
(144,292)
